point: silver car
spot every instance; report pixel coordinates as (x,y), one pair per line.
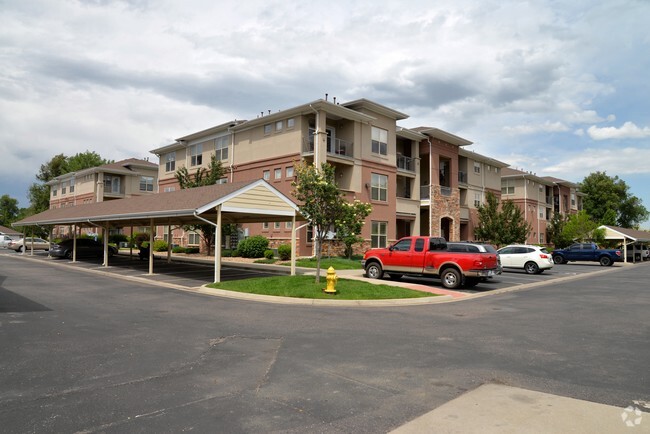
(28,243)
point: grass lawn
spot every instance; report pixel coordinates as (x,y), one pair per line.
(325,263)
(304,287)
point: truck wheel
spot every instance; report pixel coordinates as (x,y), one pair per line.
(451,278)
(531,268)
(605,261)
(374,271)
(558,259)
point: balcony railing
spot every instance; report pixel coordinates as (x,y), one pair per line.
(462,177)
(549,200)
(425,192)
(337,147)
(405,163)
(445,191)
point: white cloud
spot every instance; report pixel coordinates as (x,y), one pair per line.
(547,127)
(620,161)
(628,131)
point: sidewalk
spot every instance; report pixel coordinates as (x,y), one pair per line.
(498,409)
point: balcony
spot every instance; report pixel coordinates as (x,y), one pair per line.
(462,177)
(445,191)
(425,192)
(335,147)
(405,163)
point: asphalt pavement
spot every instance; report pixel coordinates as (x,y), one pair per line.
(87,351)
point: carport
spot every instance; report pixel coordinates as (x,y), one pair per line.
(238,202)
(627,237)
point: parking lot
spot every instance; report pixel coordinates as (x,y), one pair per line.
(197,271)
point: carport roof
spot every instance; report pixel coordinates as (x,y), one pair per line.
(241,202)
(616,233)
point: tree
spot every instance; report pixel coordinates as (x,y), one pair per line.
(608,197)
(9,210)
(555,231)
(501,227)
(39,193)
(322,204)
(580,227)
(203,176)
(350,222)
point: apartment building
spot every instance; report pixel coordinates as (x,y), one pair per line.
(567,198)
(410,176)
(122,179)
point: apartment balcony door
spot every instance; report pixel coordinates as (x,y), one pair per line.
(111,184)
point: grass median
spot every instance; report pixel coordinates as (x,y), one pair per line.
(305,287)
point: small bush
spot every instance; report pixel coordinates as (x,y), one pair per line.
(117,239)
(268,254)
(178,249)
(226,253)
(160,246)
(192,250)
(236,253)
(253,247)
(138,238)
(284,252)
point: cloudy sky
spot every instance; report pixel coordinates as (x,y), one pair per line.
(555,87)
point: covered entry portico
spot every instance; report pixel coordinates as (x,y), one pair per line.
(240,202)
(630,239)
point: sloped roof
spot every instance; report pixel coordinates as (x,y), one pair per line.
(8,231)
(125,167)
(178,207)
(613,232)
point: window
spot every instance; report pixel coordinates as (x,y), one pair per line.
(222,181)
(72,185)
(266,175)
(193,238)
(573,200)
(63,187)
(146,183)
(268,128)
(291,123)
(170,162)
(279,125)
(379,187)
(477,200)
(168,189)
(276,225)
(196,155)
(419,245)
(541,238)
(288,225)
(477,167)
(310,233)
(379,141)
(541,213)
(289,172)
(221,147)
(111,184)
(54,192)
(403,245)
(378,234)
(507,187)
(265,225)
(277,174)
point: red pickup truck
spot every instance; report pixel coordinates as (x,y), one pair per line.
(460,264)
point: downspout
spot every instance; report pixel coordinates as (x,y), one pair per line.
(217,256)
(430,185)
(232,154)
(316,135)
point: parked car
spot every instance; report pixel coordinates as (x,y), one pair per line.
(488,247)
(86,247)
(27,243)
(531,259)
(587,252)
(4,240)
(635,252)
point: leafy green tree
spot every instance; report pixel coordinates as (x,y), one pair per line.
(203,176)
(350,222)
(323,204)
(581,227)
(39,192)
(555,231)
(501,224)
(607,197)
(9,210)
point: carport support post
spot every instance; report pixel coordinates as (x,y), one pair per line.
(151,228)
(74,244)
(217,247)
(105,237)
(169,243)
(294,229)
(131,245)
(49,241)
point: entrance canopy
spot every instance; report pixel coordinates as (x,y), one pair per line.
(237,202)
(626,236)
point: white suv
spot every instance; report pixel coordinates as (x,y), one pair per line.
(531,259)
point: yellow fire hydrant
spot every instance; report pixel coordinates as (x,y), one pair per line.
(331,281)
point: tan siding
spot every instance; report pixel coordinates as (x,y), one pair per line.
(258,198)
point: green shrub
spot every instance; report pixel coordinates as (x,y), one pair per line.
(236,253)
(140,237)
(160,246)
(191,250)
(284,252)
(117,239)
(226,253)
(253,247)
(178,249)
(268,254)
